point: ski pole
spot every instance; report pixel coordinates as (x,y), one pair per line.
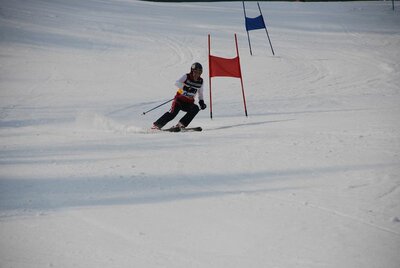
(157,106)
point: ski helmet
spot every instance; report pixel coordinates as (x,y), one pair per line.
(196,66)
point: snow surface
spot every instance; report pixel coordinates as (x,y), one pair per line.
(309,179)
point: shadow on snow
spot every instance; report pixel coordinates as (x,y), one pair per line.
(29,195)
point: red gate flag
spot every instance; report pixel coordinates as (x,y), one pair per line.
(224,67)
(218,66)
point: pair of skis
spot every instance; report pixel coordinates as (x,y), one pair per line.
(187,129)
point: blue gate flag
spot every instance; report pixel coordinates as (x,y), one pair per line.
(255,23)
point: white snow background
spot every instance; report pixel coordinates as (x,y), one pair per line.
(309,179)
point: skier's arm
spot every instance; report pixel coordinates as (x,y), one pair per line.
(181,81)
(200,92)
(201,98)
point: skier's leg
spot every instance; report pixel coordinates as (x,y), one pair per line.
(164,119)
(191,113)
(168,116)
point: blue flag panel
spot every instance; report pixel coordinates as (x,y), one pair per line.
(255,23)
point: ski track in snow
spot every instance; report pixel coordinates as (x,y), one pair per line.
(340,214)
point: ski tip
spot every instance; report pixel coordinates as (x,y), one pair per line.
(192,129)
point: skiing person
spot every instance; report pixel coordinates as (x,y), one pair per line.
(188,85)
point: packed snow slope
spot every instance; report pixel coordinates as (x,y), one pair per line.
(309,179)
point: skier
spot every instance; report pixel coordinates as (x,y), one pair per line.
(188,86)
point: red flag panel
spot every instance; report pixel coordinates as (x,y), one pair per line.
(224,67)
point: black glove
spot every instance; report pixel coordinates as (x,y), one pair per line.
(202,104)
